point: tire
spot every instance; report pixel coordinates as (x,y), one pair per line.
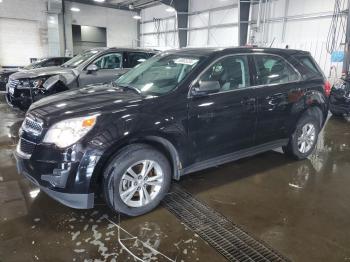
(123,173)
(296,150)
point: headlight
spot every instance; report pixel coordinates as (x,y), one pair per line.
(67,132)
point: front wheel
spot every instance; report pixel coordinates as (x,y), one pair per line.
(136,180)
(304,139)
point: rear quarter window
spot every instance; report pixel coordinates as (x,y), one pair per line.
(308,67)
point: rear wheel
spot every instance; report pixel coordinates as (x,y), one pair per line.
(136,180)
(304,139)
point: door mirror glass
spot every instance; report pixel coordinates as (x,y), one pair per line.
(207,87)
(92,68)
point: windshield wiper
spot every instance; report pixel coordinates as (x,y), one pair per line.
(129,87)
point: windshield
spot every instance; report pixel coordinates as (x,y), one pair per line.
(79,59)
(36,64)
(159,74)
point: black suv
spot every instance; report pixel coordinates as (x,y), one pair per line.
(45,62)
(96,66)
(179,112)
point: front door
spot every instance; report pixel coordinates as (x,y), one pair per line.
(109,66)
(223,121)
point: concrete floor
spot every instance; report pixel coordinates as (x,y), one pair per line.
(299,208)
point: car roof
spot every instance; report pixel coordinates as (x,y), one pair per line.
(207,51)
(123,49)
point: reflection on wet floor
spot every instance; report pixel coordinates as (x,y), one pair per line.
(300,208)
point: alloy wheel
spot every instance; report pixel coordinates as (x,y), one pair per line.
(141,183)
(307,138)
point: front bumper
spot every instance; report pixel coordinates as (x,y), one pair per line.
(69,184)
(22,102)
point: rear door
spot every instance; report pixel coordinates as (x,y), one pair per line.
(278,88)
(224,121)
(109,67)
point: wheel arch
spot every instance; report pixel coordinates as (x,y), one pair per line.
(158,142)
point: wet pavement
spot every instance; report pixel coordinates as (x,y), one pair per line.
(300,208)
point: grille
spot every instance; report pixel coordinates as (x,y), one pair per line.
(13,83)
(26,146)
(223,235)
(32,125)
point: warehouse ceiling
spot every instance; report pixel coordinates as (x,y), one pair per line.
(120,4)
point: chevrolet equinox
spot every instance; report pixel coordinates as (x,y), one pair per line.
(179,112)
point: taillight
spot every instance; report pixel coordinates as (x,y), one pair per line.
(327,88)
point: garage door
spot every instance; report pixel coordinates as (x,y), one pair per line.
(19,41)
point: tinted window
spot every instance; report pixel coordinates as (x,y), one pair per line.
(308,69)
(109,61)
(136,58)
(273,70)
(231,72)
(52,62)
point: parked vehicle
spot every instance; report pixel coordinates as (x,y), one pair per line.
(96,66)
(339,100)
(179,112)
(46,62)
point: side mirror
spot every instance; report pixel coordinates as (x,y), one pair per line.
(206,87)
(92,68)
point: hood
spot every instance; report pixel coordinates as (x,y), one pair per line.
(7,72)
(44,71)
(93,99)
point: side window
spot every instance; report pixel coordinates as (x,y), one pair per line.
(231,72)
(109,61)
(136,58)
(50,62)
(308,68)
(273,70)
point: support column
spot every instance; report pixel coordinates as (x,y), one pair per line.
(244,8)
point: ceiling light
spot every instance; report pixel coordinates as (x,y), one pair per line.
(75,9)
(99,1)
(170,9)
(137,17)
(0,1)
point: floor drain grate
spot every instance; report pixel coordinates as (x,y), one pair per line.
(227,238)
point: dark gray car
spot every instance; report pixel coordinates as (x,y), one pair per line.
(95,66)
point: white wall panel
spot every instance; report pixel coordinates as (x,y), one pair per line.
(226,36)
(198,5)
(157,11)
(297,7)
(226,16)
(199,20)
(147,27)
(19,41)
(198,37)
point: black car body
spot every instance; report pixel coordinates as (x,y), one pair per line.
(46,62)
(94,66)
(339,100)
(247,104)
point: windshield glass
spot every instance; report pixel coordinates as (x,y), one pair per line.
(79,59)
(36,64)
(159,74)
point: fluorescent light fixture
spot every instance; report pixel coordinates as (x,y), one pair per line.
(75,9)
(170,9)
(137,17)
(99,1)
